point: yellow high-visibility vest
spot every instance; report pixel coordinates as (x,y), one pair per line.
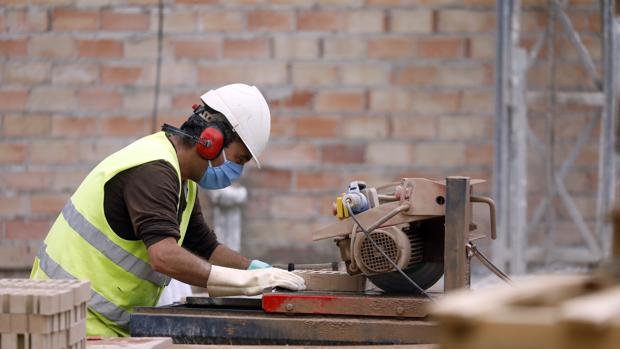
(81,245)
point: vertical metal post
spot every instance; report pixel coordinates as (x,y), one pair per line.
(607,160)
(458,217)
(517,204)
(501,170)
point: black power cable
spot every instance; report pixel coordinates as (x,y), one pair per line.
(378,248)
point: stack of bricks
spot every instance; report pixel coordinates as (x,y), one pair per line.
(43,314)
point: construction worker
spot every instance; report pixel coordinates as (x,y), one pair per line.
(135,221)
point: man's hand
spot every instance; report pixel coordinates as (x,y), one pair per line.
(234,282)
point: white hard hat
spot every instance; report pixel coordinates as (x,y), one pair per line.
(247,111)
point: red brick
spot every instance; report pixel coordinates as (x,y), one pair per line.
(269,178)
(13,47)
(47,203)
(319,21)
(53,152)
(318,181)
(389,153)
(343,153)
(295,47)
(78,74)
(13,153)
(74,126)
(340,101)
(19,256)
(257,73)
(180,22)
(27,229)
(66,20)
(479,154)
(460,21)
(13,100)
(27,21)
(50,98)
(26,125)
(269,20)
(415,75)
(27,72)
(439,154)
(316,126)
(67,180)
(196,49)
(246,48)
(282,126)
(124,126)
(414,127)
(365,21)
(124,21)
(100,48)
(11,205)
(302,205)
(27,180)
(436,47)
(314,74)
(184,101)
(222,21)
(435,102)
(297,99)
(390,100)
(367,127)
(289,155)
(463,128)
(365,74)
(120,75)
(52,46)
(388,47)
(97,99)
(411,21)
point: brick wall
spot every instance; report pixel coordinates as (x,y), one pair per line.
(359,89)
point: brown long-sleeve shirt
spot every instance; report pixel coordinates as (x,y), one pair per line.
(141,204)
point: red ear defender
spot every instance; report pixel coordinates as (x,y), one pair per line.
(215,140)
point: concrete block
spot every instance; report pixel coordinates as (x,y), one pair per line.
(40,324)
(18,303)
(8,340)
(66,299)
(40,341)
(327,280)
(49,303)
(5,323)
(19,323)
(77,332)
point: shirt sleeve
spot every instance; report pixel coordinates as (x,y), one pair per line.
(152,197)
(199,238)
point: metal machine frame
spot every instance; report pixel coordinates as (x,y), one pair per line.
(308,318)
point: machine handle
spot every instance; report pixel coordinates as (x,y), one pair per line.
(491,203)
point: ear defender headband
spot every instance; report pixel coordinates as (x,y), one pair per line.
(211,141)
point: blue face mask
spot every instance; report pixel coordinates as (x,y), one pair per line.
(221,176)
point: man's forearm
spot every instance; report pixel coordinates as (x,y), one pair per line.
(168,258)
(225,257)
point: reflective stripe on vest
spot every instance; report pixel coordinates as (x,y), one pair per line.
(108,248)
(97,302)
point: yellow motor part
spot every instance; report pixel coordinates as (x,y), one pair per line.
(341,211)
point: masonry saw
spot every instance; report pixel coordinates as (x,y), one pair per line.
(394,234)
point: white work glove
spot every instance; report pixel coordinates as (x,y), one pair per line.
(235,282)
